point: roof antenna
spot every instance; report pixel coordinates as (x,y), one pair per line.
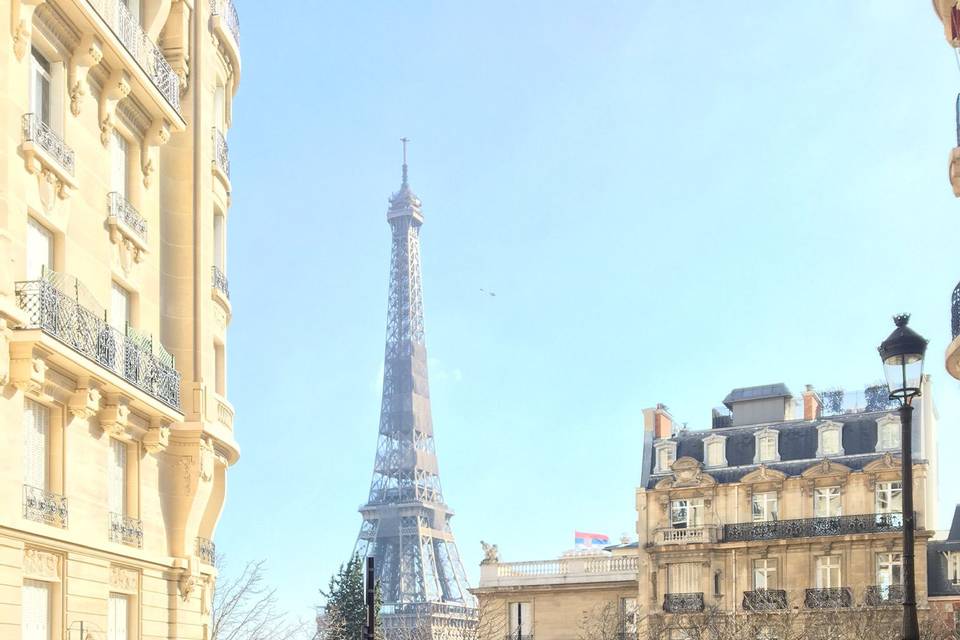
(404,141)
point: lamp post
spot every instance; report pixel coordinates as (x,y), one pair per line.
(902,356)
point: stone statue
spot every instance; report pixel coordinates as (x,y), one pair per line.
(491,555)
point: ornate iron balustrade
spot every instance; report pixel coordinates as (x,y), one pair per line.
(517,636)
(683,602)
(228,12)
(219,281)
(832,598)
(879,595)
(148,56)
(120,208)
(44,506)
(64,318)
(221,152)
(126,530)
(764,600)
(206,550)
(955,311)
(814,527)
(38,132)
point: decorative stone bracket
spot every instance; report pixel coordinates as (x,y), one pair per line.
(88,54)
(157,135)
(21,24)
(116,88)
(84,403)
(114,417)
(157,437)
(27,373)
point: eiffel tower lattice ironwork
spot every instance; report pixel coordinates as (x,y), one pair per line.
(406,524)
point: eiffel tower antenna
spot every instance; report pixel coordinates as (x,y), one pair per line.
(406,523)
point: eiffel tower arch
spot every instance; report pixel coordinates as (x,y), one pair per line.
(406,523)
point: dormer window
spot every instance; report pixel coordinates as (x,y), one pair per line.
(830,439)
(666,452)
(888,433)
(715,451)
(953,566)
(767,445)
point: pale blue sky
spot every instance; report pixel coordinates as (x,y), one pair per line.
(669,199)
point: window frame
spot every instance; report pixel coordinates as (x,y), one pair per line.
(693,511)
(759,438)
(885,490)
(830,428)
(36,231)
(715,443)
(670,446)
(769,571)
(953,566)
(835,491)
(890,562)
(889,424)
(825,565)
(764,503)
(522,624)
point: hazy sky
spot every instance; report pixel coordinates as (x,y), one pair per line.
(669,199)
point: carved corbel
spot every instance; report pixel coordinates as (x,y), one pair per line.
(115,89)
(4,353)
(186,583)
(21,25)
(157,135)
(206,596)
(88,54)
(27,373)
(207,458)
(157,436)
(84,403)
(114,418)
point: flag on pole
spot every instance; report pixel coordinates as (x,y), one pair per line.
(583,540)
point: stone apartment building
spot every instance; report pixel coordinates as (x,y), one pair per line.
(115,429)
(767,511)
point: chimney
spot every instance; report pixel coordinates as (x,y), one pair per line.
(811,404)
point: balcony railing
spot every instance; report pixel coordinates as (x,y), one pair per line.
(879,595)
(44,506)
(683,602)
(764,600)
(125,26)
(130,356)
(814,527)
(955,311)
(126,530)
(832,598)
(120,208)
(228,12)
(221,152)
(219,281)
(38,132)
(687,535)
(206,550)
(518,636)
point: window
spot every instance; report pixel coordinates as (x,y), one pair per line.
(220,369)
(119,308)
(889,497)
(40,74)
(717,583)
(826,502)
(118,165)
(765,506)
(219,230)
(889,572)
(686,513)
(830,439)
(715,451)
(953,566)
(628,615)
(767,446)
(521,620)
(219,110)
(888,433)
(36,444)
(764,574)
(39,250)
(684,577)
(117,477)
(828,572)
(666,455)
(118,617)
(35,611)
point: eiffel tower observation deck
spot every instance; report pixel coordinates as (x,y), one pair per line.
(406,523)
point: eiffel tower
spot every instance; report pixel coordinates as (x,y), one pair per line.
(406,524)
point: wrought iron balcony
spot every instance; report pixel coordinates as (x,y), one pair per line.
(880,595)
(221,152)
(814,527)
(517,636)
(220,282)
(764,600)
(44,506)
(126,530)
(833,598)
(139,45)
(955,311)
(121,209)
(129,355)
(206,550)
(38,132)
(683,602)
(227,12)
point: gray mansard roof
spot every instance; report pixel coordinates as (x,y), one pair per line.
(797,446)
(938,581)
(762,392)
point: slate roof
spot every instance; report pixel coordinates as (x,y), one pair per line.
(938,582)
(797,445)
(761,392)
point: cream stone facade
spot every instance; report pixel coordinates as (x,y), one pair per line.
(115,429)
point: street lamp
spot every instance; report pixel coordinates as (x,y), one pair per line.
(902,355)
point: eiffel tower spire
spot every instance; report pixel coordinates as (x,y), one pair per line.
(406,523)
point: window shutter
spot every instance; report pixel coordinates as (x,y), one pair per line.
(36,418)
(39,250)
(35,608)
(117,470)
(117,617)
(684,577)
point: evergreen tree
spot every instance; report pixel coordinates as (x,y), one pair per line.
(345,613)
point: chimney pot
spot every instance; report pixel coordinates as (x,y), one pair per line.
(812,405)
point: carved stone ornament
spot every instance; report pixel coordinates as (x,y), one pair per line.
(206,595)
(41,564)
(4,350)
(115,89)
(187,583)
(955,171)
(491,554)
(128,252)
(157,135)
(28,374)
(123,579)
(686,472)
(89,53)
(157,437)
(84,403)
(206,460)
(114,419)
(21,24)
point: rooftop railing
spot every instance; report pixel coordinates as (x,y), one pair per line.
(148,56)
(129,355)
(228,12)
(38,132)
(814,527)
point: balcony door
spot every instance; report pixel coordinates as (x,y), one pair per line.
(828,572)
(40,83)
(521,620)
(889,571)
(36,439)
(684,577)
(118,165)
(35,611)
(39,250)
